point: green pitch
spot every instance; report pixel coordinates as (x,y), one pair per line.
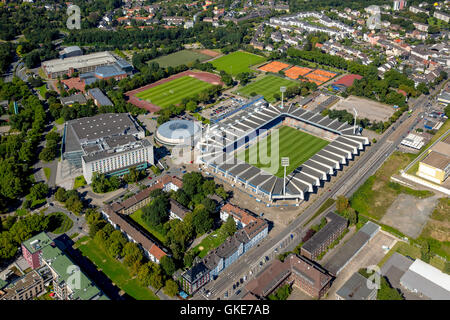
(174,91)
(180,57)
(297,145)
(267,86)
(237,62)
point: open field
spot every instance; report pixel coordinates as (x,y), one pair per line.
(174,91)
(372,110)
(237,62)
(295,144)
(137,216)
(267,86)
(377,194)
(116,271)
(212,241)
(204,78)
(180,57)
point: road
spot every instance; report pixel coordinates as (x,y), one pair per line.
(253,261)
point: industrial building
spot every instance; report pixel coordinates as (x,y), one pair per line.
(106,143)
(99,97)
(73,51)
(356,288)
(435,166)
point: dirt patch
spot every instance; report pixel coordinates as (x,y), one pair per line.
(208,52)
(409,214)
(366,108)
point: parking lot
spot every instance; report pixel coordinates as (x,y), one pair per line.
(371,254)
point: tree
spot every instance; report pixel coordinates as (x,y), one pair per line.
(220,191)
(61,195)
(191,106)
(447,110)
(422,87)
(189,258)
(201,220)
(101,237)
(230,226)
(157,212)
(144,274)
(39,191)
(341,204)
(167,265)
(8,248)
(171,288)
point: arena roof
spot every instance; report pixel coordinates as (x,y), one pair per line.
(178,131)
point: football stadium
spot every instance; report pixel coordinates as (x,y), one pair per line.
(316,146)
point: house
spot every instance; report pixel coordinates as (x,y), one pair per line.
(441,16)
(70,100)
(240,216)
(177,211)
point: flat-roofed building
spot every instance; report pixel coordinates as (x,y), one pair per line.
(100,99)
(72,51)
(426,280)
(321,240)
(70,100)
(436,165)
(24,288)
(86,63)
(356,288)
(106,143)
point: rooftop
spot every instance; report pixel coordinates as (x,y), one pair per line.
(437,160)
(37,242)
(98,95)
(88,60)
(355,288)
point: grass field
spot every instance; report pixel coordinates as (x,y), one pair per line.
(137,216)
(237,62)
(47,172)
(79,182)
(60,222)
(174,91)
(212,241)
(180,57)
(114,270)
(297,145)
(267,86)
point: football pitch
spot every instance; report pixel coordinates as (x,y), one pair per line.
(267,87)
(180,57)
(295,144)
(237,62)
(174,91)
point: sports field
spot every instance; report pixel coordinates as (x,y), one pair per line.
(180,57)
(295,144)
(174,91)
(267,86)
(237,62)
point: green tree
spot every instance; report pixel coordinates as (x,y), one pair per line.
(230,226)
(39,191)
(171,288)
(201,220)
(61,195)
(341,204)
(167,265)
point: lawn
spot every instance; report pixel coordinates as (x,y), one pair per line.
(47,172)
(137,216)
(267,86)
(377,194)
(295,144)
(42,90)
(237,62)
(116,271)
(60,223)
(59,121)
(79,182)
(212,241)
(174,91)
(180,57)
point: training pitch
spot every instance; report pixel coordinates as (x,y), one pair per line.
(180,57)
(267,86)
(237,62)
(295,144)
(174,91)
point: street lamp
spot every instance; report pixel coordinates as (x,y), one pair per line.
(284,163)
(354,125)
(282,90)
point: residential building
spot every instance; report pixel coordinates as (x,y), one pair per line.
(240,216)
(69,282)
(399,5)
(356,288)
(25,288)
(106,143)
(295,270)
(421,26)
(177,211)
(128,228)
(223,256)
(324,237)
(418,10)
(441,16)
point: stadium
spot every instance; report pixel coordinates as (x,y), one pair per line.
(316,145)
(177,133)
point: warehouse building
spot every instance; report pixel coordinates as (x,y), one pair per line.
(106,143)
(435,166)
(73,51)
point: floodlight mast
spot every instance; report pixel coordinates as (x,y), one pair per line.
(284,163)
(282,90)
(354,125)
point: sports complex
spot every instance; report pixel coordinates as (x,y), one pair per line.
(316,146)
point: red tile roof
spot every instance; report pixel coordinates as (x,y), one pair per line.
(348,79)
(239,213)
